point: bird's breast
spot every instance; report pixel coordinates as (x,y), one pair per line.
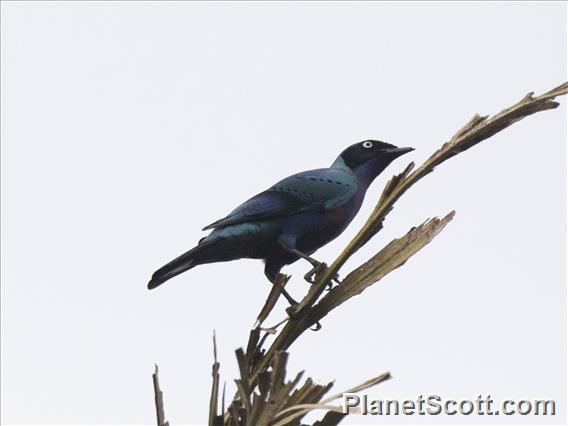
(320,229)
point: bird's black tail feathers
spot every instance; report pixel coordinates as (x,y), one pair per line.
(180,264)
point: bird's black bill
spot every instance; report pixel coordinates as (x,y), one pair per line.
(399,151)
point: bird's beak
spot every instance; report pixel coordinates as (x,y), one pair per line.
(397,152)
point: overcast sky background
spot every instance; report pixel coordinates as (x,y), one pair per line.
(127,127)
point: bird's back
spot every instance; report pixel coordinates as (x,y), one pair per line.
(312,191)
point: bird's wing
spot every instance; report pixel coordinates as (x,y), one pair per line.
(311,191)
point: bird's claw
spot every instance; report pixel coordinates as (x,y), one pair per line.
(291,310)
(319,268)
(317,327)
(334,278)
(313,273)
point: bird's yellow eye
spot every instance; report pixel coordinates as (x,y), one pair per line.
(367,144)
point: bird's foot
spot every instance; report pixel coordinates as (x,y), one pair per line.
(292,310)
(316,271)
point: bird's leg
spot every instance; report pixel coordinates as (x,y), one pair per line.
(318,267)
(271,271)
(285,293)
(289,298)
(290,309)
(297,252)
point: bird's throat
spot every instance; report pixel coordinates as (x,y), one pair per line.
(366,173)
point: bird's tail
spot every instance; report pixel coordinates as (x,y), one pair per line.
(180,264)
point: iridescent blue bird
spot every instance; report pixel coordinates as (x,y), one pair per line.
(293,218)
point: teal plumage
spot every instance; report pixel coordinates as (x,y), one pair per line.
(310,191)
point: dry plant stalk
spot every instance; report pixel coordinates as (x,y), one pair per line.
(263,396)
(159,400)
(474,131)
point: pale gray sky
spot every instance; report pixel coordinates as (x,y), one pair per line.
(127,127)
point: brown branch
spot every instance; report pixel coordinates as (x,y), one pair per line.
(158,400)
(394,255)
(302,409)
(277,287)
(473,132)
(214,418)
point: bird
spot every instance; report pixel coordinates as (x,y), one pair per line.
(293,218)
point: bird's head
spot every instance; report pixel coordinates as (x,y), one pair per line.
(369,158)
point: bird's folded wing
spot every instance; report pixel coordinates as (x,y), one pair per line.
(312,191)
